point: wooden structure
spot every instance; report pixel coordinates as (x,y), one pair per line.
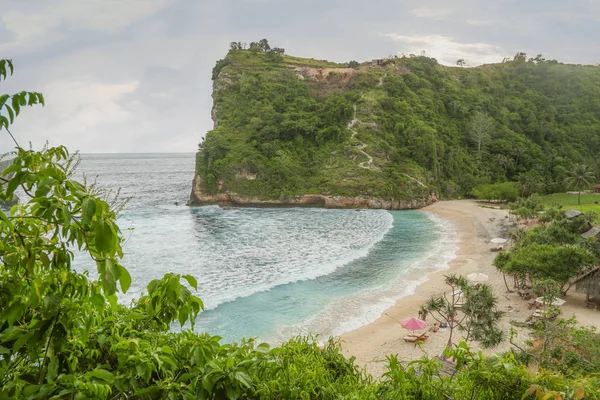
(593,232)
(416,338)
(377,62)
(570,214)
(589,283)
(597,188)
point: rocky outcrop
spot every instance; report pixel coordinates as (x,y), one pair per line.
(197,198)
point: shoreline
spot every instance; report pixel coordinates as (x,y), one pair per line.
(371,343)
(474,227)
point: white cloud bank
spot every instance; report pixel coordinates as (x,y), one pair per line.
(446,50)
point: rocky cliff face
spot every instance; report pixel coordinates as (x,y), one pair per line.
(299,132)
(228,199)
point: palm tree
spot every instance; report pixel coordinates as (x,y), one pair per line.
(579,178)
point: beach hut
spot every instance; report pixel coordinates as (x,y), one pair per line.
(570,214)
(589,283)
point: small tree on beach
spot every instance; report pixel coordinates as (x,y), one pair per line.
(471,309)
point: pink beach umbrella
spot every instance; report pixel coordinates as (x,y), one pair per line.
(413,324)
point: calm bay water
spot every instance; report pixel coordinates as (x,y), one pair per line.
(270,273)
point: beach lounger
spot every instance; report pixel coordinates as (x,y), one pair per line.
(416,338)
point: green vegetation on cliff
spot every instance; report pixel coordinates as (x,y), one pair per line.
(284,126)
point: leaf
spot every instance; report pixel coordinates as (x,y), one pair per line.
(88,209)
(192,281)
(579,393)
(16,104)
(11,114)
(101,374)
(124,279)
(66,215)
(14,312)
(104,237)
(263,348)
(112,299)
(243,378)
(3,99)
(44,187)
(12,185)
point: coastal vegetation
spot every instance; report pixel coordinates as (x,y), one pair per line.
(403,128)
(468,308)
(65,335)
(553,252)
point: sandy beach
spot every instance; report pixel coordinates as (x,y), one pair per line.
(475,227)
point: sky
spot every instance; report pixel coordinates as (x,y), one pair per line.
(134,75)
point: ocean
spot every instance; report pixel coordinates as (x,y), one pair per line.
(266,273)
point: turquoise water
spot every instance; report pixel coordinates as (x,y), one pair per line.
(268,273)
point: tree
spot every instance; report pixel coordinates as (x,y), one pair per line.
(529,182)
(460,62)
(255,47)
(353,64)
(504,162)
(264,45)
(579,178)
(471,309)
(480,127)
(546,261)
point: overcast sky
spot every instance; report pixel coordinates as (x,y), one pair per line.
(134,75)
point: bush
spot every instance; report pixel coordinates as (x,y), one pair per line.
(505,191)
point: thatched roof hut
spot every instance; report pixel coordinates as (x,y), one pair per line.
(570,214)
(589,283)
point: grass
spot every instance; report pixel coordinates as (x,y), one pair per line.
(589,202)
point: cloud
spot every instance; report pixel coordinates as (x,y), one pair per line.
(134,75)
(446,50)
(433,13)
(480,22)
(37,22)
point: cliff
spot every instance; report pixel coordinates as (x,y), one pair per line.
(394,134)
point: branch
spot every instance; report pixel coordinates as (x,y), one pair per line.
(11,135)
(47,347)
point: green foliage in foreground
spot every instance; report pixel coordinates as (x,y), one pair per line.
(282,127)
